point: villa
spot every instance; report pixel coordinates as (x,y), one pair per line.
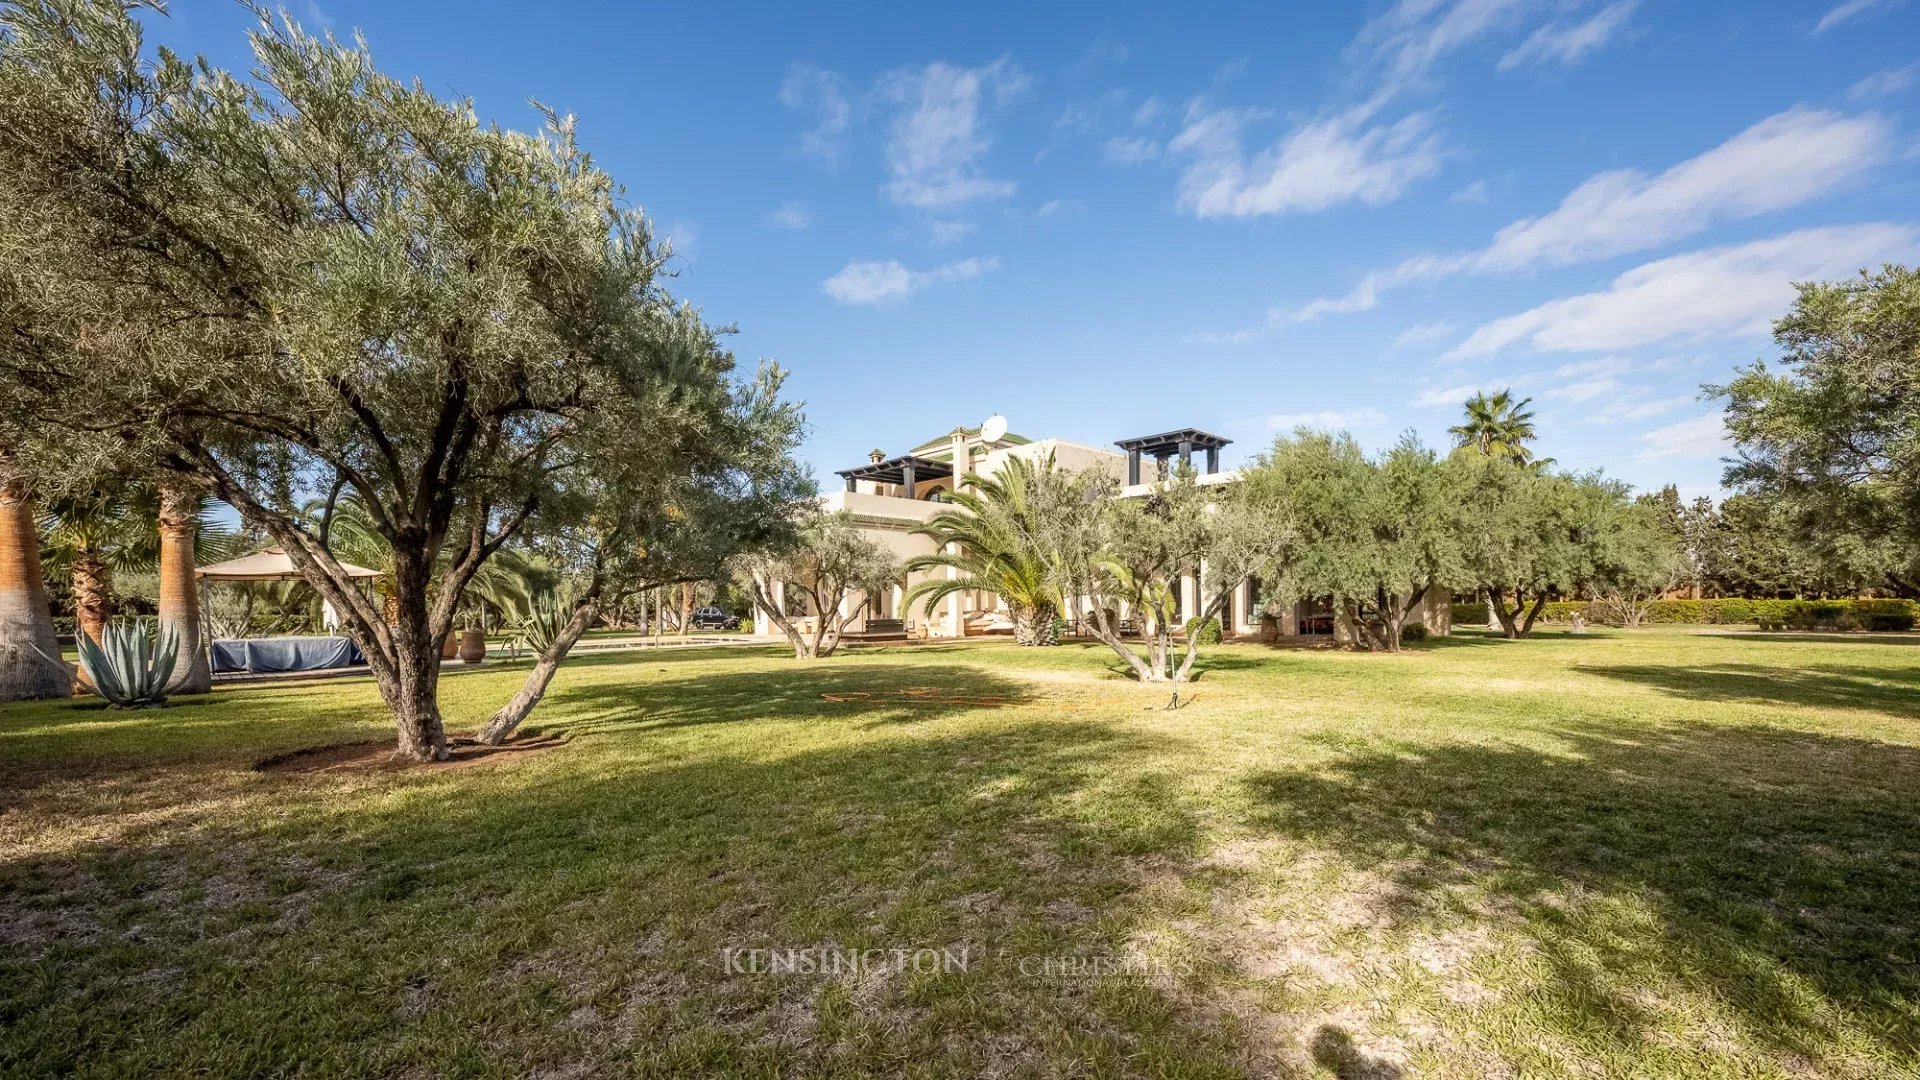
(890,497)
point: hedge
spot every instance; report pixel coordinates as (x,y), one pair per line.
(1732,611)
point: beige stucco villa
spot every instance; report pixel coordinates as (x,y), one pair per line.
(889,497)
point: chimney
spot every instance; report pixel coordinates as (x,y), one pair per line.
(876,456)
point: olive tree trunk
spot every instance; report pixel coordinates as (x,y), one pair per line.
(515,711)
(410,681)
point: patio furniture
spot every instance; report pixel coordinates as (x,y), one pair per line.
(299,653)
(315,652)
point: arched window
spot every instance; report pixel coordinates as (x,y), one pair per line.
(938,494)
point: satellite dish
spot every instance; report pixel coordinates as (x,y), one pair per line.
(994,429)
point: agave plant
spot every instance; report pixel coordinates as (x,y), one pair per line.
(131,664)
(539,629)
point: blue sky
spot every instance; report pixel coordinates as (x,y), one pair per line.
(1111,222)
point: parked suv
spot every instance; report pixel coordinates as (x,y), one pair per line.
(712,618)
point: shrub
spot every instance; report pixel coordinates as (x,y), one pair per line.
(1471,614)
(1413,632)
(1885,615)
(1209,631)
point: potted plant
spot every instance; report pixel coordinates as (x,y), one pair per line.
(473,639)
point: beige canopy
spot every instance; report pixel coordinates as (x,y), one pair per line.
(269,565)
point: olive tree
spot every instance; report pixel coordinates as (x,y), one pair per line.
(1372,535)
(1830,439)
(1106,552)
(827,560)
(316,275)
(1634,556)
(710,478)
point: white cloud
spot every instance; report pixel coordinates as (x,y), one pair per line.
(937,138)
(866,281)
(950,232)
(1637,409)
(1363,297)
(1785,160)
(1473,194)
(1779,162)
(1129,151)
(791,215)
(1232,69)
(1345,157)
(1413,35)
(1328,421)
(1884,83)
(1051,207)
(1584,390)
(1597,366)
(1227,337)
(1566,43)
(1715,292)
(1433,397)
(822,93)
(1149,112)
(1700,437)
(1849,10)
(1092,114)
(682,237)
(1102,52)
(1422,333)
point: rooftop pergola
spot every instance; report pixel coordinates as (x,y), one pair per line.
(905,471)
(1170,443)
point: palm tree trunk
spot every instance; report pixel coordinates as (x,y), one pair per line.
(1034,625)
(92,592)
(179,592)
(92,602)
(27,644)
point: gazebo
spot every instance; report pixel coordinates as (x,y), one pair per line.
(294,653)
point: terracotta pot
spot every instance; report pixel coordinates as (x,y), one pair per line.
(450,647)
(473,646)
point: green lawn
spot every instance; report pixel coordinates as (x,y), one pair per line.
(1654,854)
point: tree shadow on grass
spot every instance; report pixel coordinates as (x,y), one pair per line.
(570,917)
(872,692)
(1768,871)
(1891,690)
(1466,637)
(1816,638)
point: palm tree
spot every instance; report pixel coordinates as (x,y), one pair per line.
(987,538)
(113,530)
(180,511)
(88,538)
(26,620)
(1498,426)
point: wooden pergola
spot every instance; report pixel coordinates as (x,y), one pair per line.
(1169,444)
(905,471)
